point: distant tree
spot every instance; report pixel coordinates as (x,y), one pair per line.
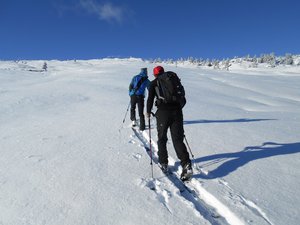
(158,60)
(272,60)
(190,59)
(227,64)
(260,59)
(247,58)
(239,60)
(170,61)
(216,64)
(45,66)
(208,63)
(200,62)
(288,60)
(272,56)
(264,58)
(269,58)
(254,62)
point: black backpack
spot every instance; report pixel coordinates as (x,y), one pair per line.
(169,89)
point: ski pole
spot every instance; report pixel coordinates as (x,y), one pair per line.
(196,166)
(126,112)
(189,147)
(150,141)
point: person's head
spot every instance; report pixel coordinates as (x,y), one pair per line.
(144,72)
(158,70)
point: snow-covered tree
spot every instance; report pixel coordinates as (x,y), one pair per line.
(288,60)
(227,64)
(45,66)
(254,62)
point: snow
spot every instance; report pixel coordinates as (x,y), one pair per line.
(67,158)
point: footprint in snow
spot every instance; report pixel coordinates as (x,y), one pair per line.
(155,185)
(137,156)
(132,142)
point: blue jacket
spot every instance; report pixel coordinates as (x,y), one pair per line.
(141,77)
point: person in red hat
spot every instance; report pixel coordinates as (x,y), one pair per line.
(168,116)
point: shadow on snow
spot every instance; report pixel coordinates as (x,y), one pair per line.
(243,120)
(232,161)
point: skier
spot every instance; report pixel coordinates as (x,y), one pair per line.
(168,115)
(137,88)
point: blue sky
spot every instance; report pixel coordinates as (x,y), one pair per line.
(88,29)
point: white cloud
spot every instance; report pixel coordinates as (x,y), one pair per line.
(106,11)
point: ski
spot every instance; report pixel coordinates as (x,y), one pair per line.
(185,188)
(170,174)
(138,135)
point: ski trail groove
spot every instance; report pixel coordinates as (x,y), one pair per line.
(234,195)
(246,202)
(205,203)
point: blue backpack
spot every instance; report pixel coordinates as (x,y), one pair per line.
(138,85)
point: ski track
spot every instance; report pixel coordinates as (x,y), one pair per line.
(217,208)
(201,200)
(236,197)
(163,195)
(244,201)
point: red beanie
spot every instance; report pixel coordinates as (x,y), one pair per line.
(158,70)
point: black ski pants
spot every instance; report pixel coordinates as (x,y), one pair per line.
(139,101)
(172,119)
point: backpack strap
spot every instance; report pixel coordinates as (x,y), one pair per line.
(157,88)
(139,84)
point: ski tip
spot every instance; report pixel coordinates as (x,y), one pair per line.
(186,179)
(152,188)
(151,184)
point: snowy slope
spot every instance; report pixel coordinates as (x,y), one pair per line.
(66,157)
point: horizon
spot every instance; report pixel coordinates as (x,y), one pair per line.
(162,59)
(93,29)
